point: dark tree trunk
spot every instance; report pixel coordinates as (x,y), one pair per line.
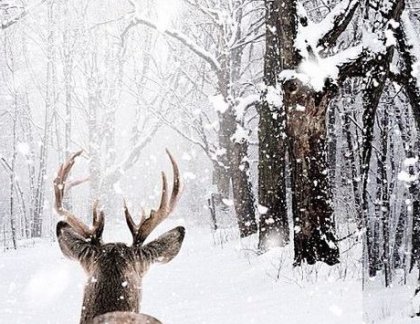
(274,225)
(234,167)
(379,74)
(311,189)
(332,143)
(351,161)
(414,193)
(242,190)
(410,84)
(280,54)
(384,202)
(212,209)
(406,211)
(398,249)
(372,94)
(410,81)
(375,224)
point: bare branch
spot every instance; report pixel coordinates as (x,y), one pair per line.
(336,22)
(190,44)
(408,48)
(25,12)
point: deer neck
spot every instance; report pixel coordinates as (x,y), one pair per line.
(104,294)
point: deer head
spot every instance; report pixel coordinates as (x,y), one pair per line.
(115,270)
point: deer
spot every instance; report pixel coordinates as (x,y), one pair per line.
(112,293)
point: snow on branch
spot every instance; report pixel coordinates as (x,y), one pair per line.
(325,33)
(25,12)
(113,173)
(412,48)
(315,69)
(408,45)
(336,22)
(182,38)
(244,103)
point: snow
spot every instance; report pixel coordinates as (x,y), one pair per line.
(407,177)
(314,32)
(274,96)
(300,108)
(413,40)
(117,188)
(240,134)
(181,37)
(315,68)
(415,305)
(186,156)
(219,103)
(165,12)
(410,161)
(390,39)
(391,305)
(189,176)
(227,202)
(262,209)
(205,283)
(243,104)
(327,23)
(23,148)
(317,72)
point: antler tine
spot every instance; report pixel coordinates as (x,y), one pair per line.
(164,199)
(72,220)
(167,205)
(98,220)
(134,229)
(131,225)
(177,186)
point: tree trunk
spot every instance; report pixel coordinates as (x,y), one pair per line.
(372,94)
(94,146)
(411,82)
(232,168)
(385,204)
(375,83)
(50,98)
(280,54)
(351,162)
(399,248)
(12,179)
(311,189)
(242,190)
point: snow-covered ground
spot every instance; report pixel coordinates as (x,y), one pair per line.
(389,305)
(205,283)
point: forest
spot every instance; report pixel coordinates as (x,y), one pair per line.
(288,131)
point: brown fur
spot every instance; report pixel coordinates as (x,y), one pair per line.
(125,318)
(115,270)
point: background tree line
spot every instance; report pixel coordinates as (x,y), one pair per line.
(295,120)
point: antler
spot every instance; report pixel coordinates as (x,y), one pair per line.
(72,220)
(141,231)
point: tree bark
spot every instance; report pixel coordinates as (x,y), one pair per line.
(242,189)
(280,54)
(311,189)
(385,203)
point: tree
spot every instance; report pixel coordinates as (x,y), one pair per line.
(310,76)
(230,152)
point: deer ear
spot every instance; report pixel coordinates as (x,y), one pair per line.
(73,245)
(165,247)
